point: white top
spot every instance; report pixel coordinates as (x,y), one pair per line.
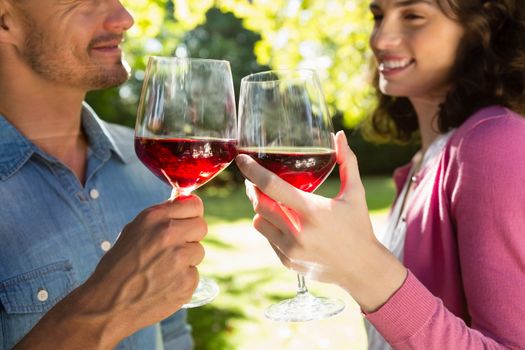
(393,237)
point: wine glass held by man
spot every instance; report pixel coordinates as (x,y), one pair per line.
(448,272)
(70,184)
(185,131)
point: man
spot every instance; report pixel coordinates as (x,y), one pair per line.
(69,183)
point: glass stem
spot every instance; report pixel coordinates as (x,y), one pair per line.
(175,193)
(301,285)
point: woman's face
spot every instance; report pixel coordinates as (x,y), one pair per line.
(415,45)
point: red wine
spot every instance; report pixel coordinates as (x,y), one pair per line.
(305,167)
(185,163)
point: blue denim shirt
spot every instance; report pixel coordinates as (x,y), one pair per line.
(54,230)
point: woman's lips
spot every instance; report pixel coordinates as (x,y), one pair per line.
(393,66)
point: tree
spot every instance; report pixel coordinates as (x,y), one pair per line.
(204,32)
(330,36)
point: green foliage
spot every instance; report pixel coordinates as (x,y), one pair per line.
(374,158)
(380,158)
(152,34)
(222,36)
(329,36)
(205,32)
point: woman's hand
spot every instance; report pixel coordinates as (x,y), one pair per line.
(330,240)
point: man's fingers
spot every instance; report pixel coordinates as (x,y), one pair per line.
(184,207)
(271,184)
(178,209)
(188,230)
(191,254)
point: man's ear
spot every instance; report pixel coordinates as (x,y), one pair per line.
(3,24)
(8,27)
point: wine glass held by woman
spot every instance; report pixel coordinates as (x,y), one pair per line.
(284,125)
(316,248)
(448,272)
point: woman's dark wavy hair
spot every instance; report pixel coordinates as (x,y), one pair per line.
(490,69)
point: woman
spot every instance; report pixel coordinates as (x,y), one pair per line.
(452,71)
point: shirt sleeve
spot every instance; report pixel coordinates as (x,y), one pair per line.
(413,318)
(176,332)
(488,208)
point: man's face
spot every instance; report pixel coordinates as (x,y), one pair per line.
(75,42)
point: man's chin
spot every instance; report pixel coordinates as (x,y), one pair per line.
(109,78)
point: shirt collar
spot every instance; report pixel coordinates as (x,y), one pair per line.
(16,149)
(104,137)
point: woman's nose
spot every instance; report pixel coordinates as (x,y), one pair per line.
(386,35)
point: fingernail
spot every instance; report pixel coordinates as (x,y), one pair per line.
(344,136)
(250,193)
(241,159)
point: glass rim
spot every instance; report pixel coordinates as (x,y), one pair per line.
(190,59)
(302,73)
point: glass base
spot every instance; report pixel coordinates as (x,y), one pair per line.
(206,291)
(304,307)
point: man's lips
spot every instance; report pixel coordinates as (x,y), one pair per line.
(106,43)
(106,48)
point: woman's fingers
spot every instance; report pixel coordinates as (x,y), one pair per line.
(295,199)
(280,242)
(272,185)
(283,218)
(351,185)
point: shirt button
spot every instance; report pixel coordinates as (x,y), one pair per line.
(94,193)
(106,245)
(42,295)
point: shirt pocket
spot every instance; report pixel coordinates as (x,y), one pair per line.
(38,290)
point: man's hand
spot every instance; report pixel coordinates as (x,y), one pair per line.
(147,276)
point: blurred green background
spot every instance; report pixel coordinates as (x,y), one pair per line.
(330,36)
(251,278)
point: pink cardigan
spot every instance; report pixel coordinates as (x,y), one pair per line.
(465,243)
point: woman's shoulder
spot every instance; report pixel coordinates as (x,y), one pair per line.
(491,141)
(491,126)
(493,121)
